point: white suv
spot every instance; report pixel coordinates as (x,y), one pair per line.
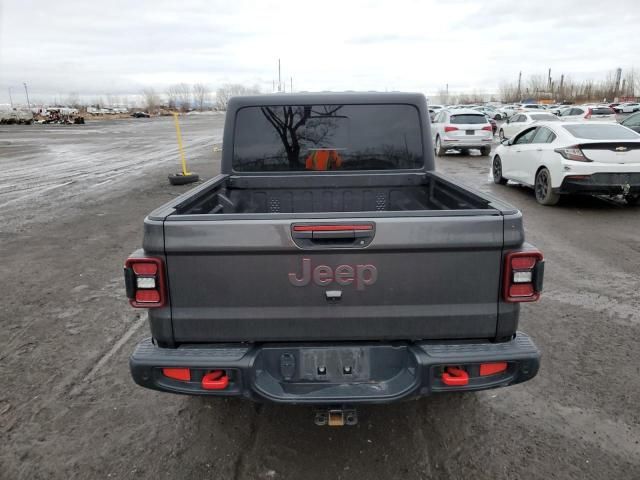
(627,107)
(461,129)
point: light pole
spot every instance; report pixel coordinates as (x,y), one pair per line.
(10,98)
(279,81)
(27,92)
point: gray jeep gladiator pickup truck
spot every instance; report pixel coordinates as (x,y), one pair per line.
(329,264)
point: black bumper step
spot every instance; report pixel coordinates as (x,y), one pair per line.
(322,373)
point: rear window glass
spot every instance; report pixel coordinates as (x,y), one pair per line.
(543,117)
(327,137)
(601,132)
(602,111)
(468,119)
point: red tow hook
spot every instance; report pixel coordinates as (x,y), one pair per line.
(216,380)
(455,377)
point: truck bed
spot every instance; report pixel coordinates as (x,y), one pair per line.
(329,194)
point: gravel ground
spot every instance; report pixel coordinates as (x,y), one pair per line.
(73,199)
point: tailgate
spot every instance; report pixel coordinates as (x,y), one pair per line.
(412,278)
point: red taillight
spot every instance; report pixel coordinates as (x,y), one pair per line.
(147,296)
(145,268)
(523,272)
(574,152)
(144,280)
(589,112)
(449,128)
(487,127)
(182,374)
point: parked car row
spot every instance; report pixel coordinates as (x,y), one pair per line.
(583,150)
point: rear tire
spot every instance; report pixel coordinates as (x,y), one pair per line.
(496,169)
(542,188)
(498,117)
(485,151)
(179,179)
(438,148)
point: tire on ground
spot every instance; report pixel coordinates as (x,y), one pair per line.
(439,151)
(498,179)
(179,179)
(543,190)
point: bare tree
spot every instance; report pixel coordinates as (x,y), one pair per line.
(201,95)
(288,121)
(508,92)
(631,83)
(73,100)
(537,85)
(224,93)
(172,96)
(113,100)
(184,96)
(151,100)
(98,102)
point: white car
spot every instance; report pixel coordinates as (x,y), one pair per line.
(559,109)
(584,113)
(558,158)
(490,112)
(521,120)
(508,110)
(461,129)
(627,107)
(531,106)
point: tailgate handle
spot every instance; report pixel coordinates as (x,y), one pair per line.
(343,233)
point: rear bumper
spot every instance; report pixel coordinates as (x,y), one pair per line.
(602,184)
(467,143)
(353,373)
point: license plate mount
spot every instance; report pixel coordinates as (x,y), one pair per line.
(335,365)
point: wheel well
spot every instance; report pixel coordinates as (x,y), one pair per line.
(538,170)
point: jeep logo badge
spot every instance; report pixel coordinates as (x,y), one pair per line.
(322,275)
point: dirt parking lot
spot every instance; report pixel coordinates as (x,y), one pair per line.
(72,202)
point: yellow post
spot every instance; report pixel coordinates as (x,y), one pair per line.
(182,158)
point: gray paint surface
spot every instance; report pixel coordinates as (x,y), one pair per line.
(438,268)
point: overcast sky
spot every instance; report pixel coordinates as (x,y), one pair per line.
(119,47)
